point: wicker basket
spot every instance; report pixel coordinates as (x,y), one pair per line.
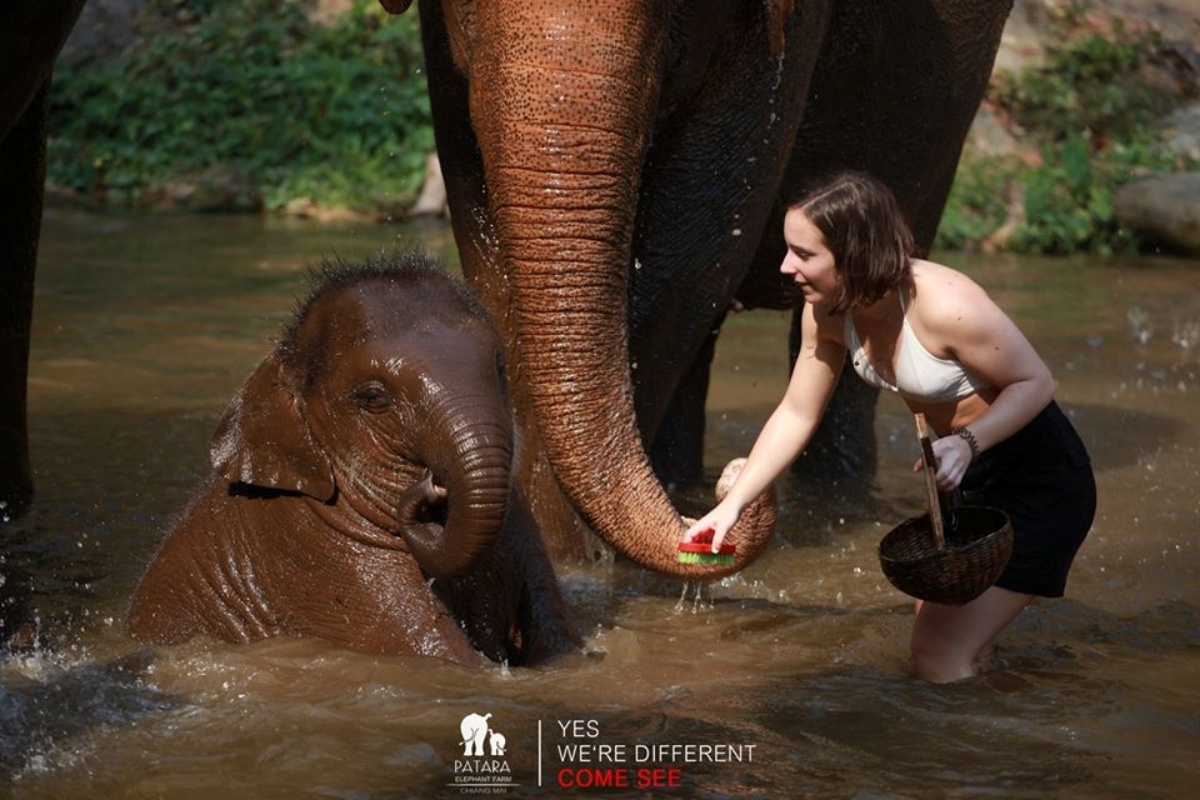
(976,551)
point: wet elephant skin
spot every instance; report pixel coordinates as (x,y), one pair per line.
(360,490)
(617,172)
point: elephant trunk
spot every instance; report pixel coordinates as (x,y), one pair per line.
(563,154)
(454,514)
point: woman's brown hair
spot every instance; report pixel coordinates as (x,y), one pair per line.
(865,231)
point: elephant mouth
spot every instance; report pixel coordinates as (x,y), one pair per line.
(424,506)
(448,541)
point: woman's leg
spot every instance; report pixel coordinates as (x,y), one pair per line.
(947,641)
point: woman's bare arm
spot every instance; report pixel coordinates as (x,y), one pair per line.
(790,426)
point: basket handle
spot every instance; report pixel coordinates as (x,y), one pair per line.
(931,492)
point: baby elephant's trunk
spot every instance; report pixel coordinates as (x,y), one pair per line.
(451,517)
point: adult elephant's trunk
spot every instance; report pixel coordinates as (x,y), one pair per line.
(454,514)
(569,104)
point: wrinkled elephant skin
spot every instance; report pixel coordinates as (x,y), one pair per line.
(361,489)
(616,173)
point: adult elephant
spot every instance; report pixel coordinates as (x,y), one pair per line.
(616,172)
(31,36)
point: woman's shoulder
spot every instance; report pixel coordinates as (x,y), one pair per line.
(939,290)
(946,302)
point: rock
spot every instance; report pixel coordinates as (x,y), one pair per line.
(432,201)
(1163,209)
(218,189)
(990,137)
(1021,45)
(1181,132)
(307,208)
(325,12)
(105,28)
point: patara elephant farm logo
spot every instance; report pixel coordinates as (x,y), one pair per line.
(482,768)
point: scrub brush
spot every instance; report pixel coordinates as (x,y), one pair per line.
(699,551)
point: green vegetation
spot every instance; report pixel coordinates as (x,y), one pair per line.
(253,93)
(1089,113)
(256,106)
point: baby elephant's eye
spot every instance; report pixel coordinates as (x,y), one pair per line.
(374,397)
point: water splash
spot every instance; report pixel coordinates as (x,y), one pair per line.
(701,597)
(1187,336)
(50,701)
(1139,324)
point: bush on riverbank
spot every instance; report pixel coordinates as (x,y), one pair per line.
(1087,123)
(253,98)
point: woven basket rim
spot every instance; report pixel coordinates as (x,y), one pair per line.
(977,541)
(956,573)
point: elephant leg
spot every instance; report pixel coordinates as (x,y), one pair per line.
(511,606)
(677,452)
(22,177)
(551,514)
(546,627)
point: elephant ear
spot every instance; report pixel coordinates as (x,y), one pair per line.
(263,439)
(778,12)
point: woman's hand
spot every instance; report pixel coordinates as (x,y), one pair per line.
(716,522)
(952,455)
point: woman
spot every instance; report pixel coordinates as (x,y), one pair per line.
(933,336)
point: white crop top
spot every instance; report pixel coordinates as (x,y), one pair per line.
(920,375)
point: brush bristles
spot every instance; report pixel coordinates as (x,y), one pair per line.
(707,559)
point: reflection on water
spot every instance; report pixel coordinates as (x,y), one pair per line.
(786,681)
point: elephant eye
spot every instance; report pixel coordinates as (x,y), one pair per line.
(374,397)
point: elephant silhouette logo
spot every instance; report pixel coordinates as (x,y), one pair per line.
(482,770)
(475,729)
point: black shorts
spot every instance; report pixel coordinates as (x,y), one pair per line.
(1042,478)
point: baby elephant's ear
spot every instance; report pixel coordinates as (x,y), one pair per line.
(263,440)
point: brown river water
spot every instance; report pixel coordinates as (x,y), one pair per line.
(787,681)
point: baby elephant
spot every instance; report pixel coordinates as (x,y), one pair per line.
(360,490)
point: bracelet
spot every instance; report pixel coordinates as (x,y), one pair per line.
(967,436)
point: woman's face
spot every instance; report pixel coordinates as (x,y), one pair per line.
(808,261)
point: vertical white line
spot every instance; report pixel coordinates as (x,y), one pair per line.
(539,752)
